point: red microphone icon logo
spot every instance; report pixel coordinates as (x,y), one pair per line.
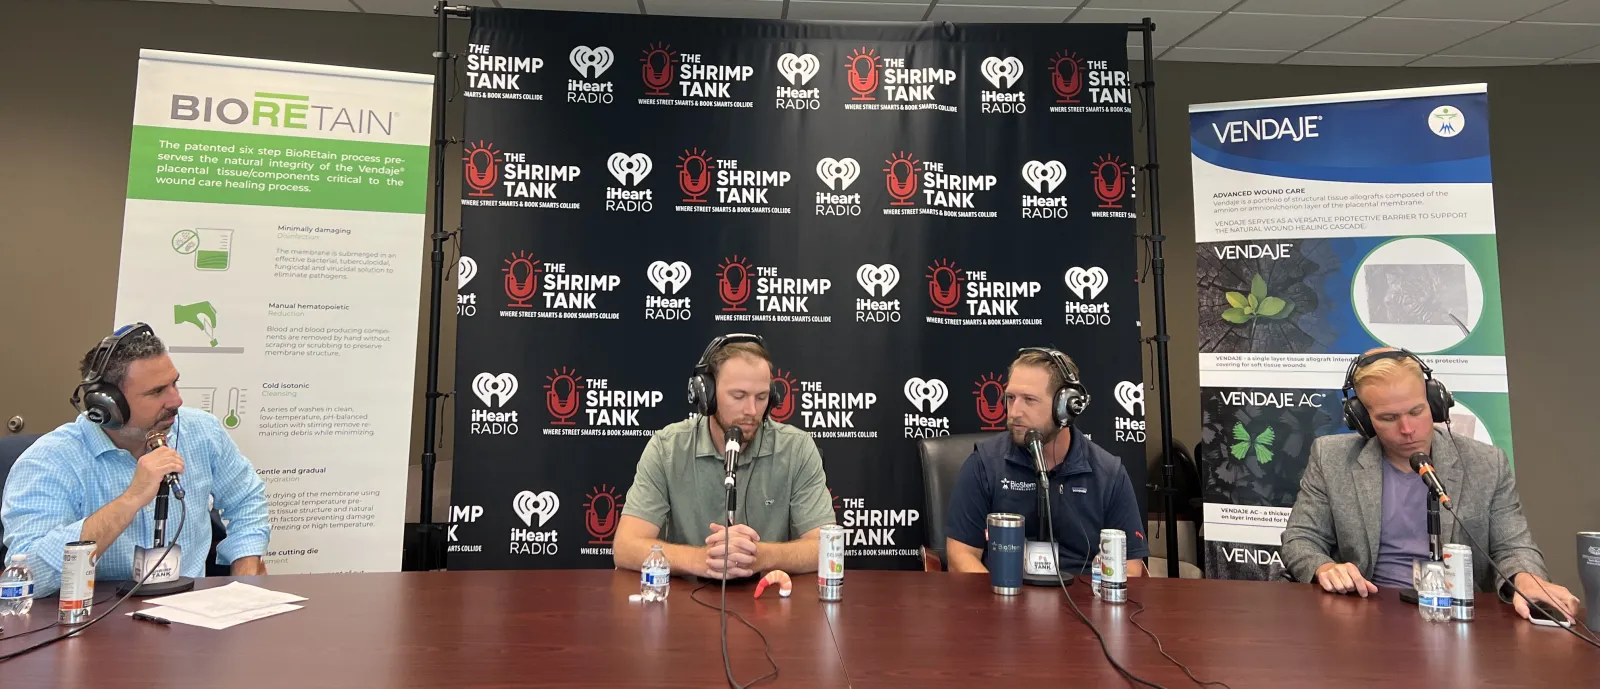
(990,396)
(562,405)
(861,73)
(1110,183)
(733,283)
(694,174)
(657,68)
(601,514)
(785,382)
(1066,76)
(522,279)
(901,177)
(945,296)
(481,164)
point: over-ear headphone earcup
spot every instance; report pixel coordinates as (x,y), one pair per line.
(775,396)
(104,405)
(1439,401)
(703,394)
(1356,417)
(1069,405)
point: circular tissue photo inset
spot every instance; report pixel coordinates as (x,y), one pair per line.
(1465,423)
(1417,293)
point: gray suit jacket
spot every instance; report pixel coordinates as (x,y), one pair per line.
(1337,515)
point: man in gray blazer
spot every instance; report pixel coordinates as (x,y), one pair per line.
(1360,518)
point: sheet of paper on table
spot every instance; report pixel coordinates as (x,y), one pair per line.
(224,601)
(224,622)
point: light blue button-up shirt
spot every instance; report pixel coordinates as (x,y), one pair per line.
(74,470)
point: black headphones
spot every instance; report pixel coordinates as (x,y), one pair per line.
(703,383)
(102,402)
(1072,398)
(1356,416)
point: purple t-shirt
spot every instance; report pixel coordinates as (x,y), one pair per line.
(1403,534)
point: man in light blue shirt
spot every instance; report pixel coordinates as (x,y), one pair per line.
(85,482)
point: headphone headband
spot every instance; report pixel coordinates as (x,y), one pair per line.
(703,383)
(1366,360)
(1356,416)
(1071,399)
(102,402)
(1069,371)
(720,341)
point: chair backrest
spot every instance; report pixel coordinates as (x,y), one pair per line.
(11,448)
(942,458)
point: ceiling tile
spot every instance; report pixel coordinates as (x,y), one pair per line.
(1068,5)
(1527,39)
(1572,11)
(1568,61)
(997,14)
(1501,10)
(334,5)
(1194,5)
(1343,8)
(1472,61)
(1171,26)
(1351,59)
(1136,54)
(1590,54)
(1267,31)
(856,11)
(613,6)
(1225,55)
(743,9)
(416,8)
(1385,35)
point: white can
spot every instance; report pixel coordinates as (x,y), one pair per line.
(1458,580)
(1113,566)
(830,563)
(77,582)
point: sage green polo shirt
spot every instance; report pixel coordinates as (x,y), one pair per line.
(783,492)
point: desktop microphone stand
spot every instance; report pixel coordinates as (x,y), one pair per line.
(1435,542)
(174,559)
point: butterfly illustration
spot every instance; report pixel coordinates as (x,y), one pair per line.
(1261,444)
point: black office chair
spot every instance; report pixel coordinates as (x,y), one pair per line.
(942,458)
(11,448)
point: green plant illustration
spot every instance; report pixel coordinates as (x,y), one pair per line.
(1261,444)
(1256,304)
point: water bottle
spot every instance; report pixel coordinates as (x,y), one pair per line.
(1094,585)
(16,587)
(655,577)
(1433,599)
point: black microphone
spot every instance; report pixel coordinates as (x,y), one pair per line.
(1036,448)
(730,459)
(1423,465)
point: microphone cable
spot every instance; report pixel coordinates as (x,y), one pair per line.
(182,519)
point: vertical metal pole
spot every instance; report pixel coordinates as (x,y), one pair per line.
(1158,269)
(435,300)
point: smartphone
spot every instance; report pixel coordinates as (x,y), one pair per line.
(1546,615)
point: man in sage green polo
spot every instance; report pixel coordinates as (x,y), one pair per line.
(678,501)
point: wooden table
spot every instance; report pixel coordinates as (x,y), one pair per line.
(894,629)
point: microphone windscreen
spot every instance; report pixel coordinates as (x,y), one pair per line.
(1418,460)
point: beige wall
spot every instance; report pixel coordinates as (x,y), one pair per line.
(66,102)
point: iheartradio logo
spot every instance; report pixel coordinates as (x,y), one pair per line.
(926,395)
(658,68)
(1066,77)
(480,163)
(733,283)
(1087,283)
(989,399)
(901,177)
(838,174)
(602,510)
(944,286)
(798,69)
(528,504)
(522,279)
(668,278)
(1003,73)
(591,62)
(563,395)
(466,269)
(629,170)
(862,73)
(1130,394)
(877,280)
(1044,177)
(490,388)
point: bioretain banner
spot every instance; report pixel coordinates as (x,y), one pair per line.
(273,238)
(895,207)
(1327,226)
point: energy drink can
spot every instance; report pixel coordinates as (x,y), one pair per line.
(77,582)
(830,563)
(1458,580)
(1113,566)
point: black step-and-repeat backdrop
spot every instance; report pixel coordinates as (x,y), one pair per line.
(895,207)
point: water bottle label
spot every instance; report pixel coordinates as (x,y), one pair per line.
(1433,601)
(16,589)
(658,578)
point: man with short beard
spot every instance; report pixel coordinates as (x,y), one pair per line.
(1088,488)
(96,480)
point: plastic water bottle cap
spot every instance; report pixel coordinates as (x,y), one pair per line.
(634,598)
